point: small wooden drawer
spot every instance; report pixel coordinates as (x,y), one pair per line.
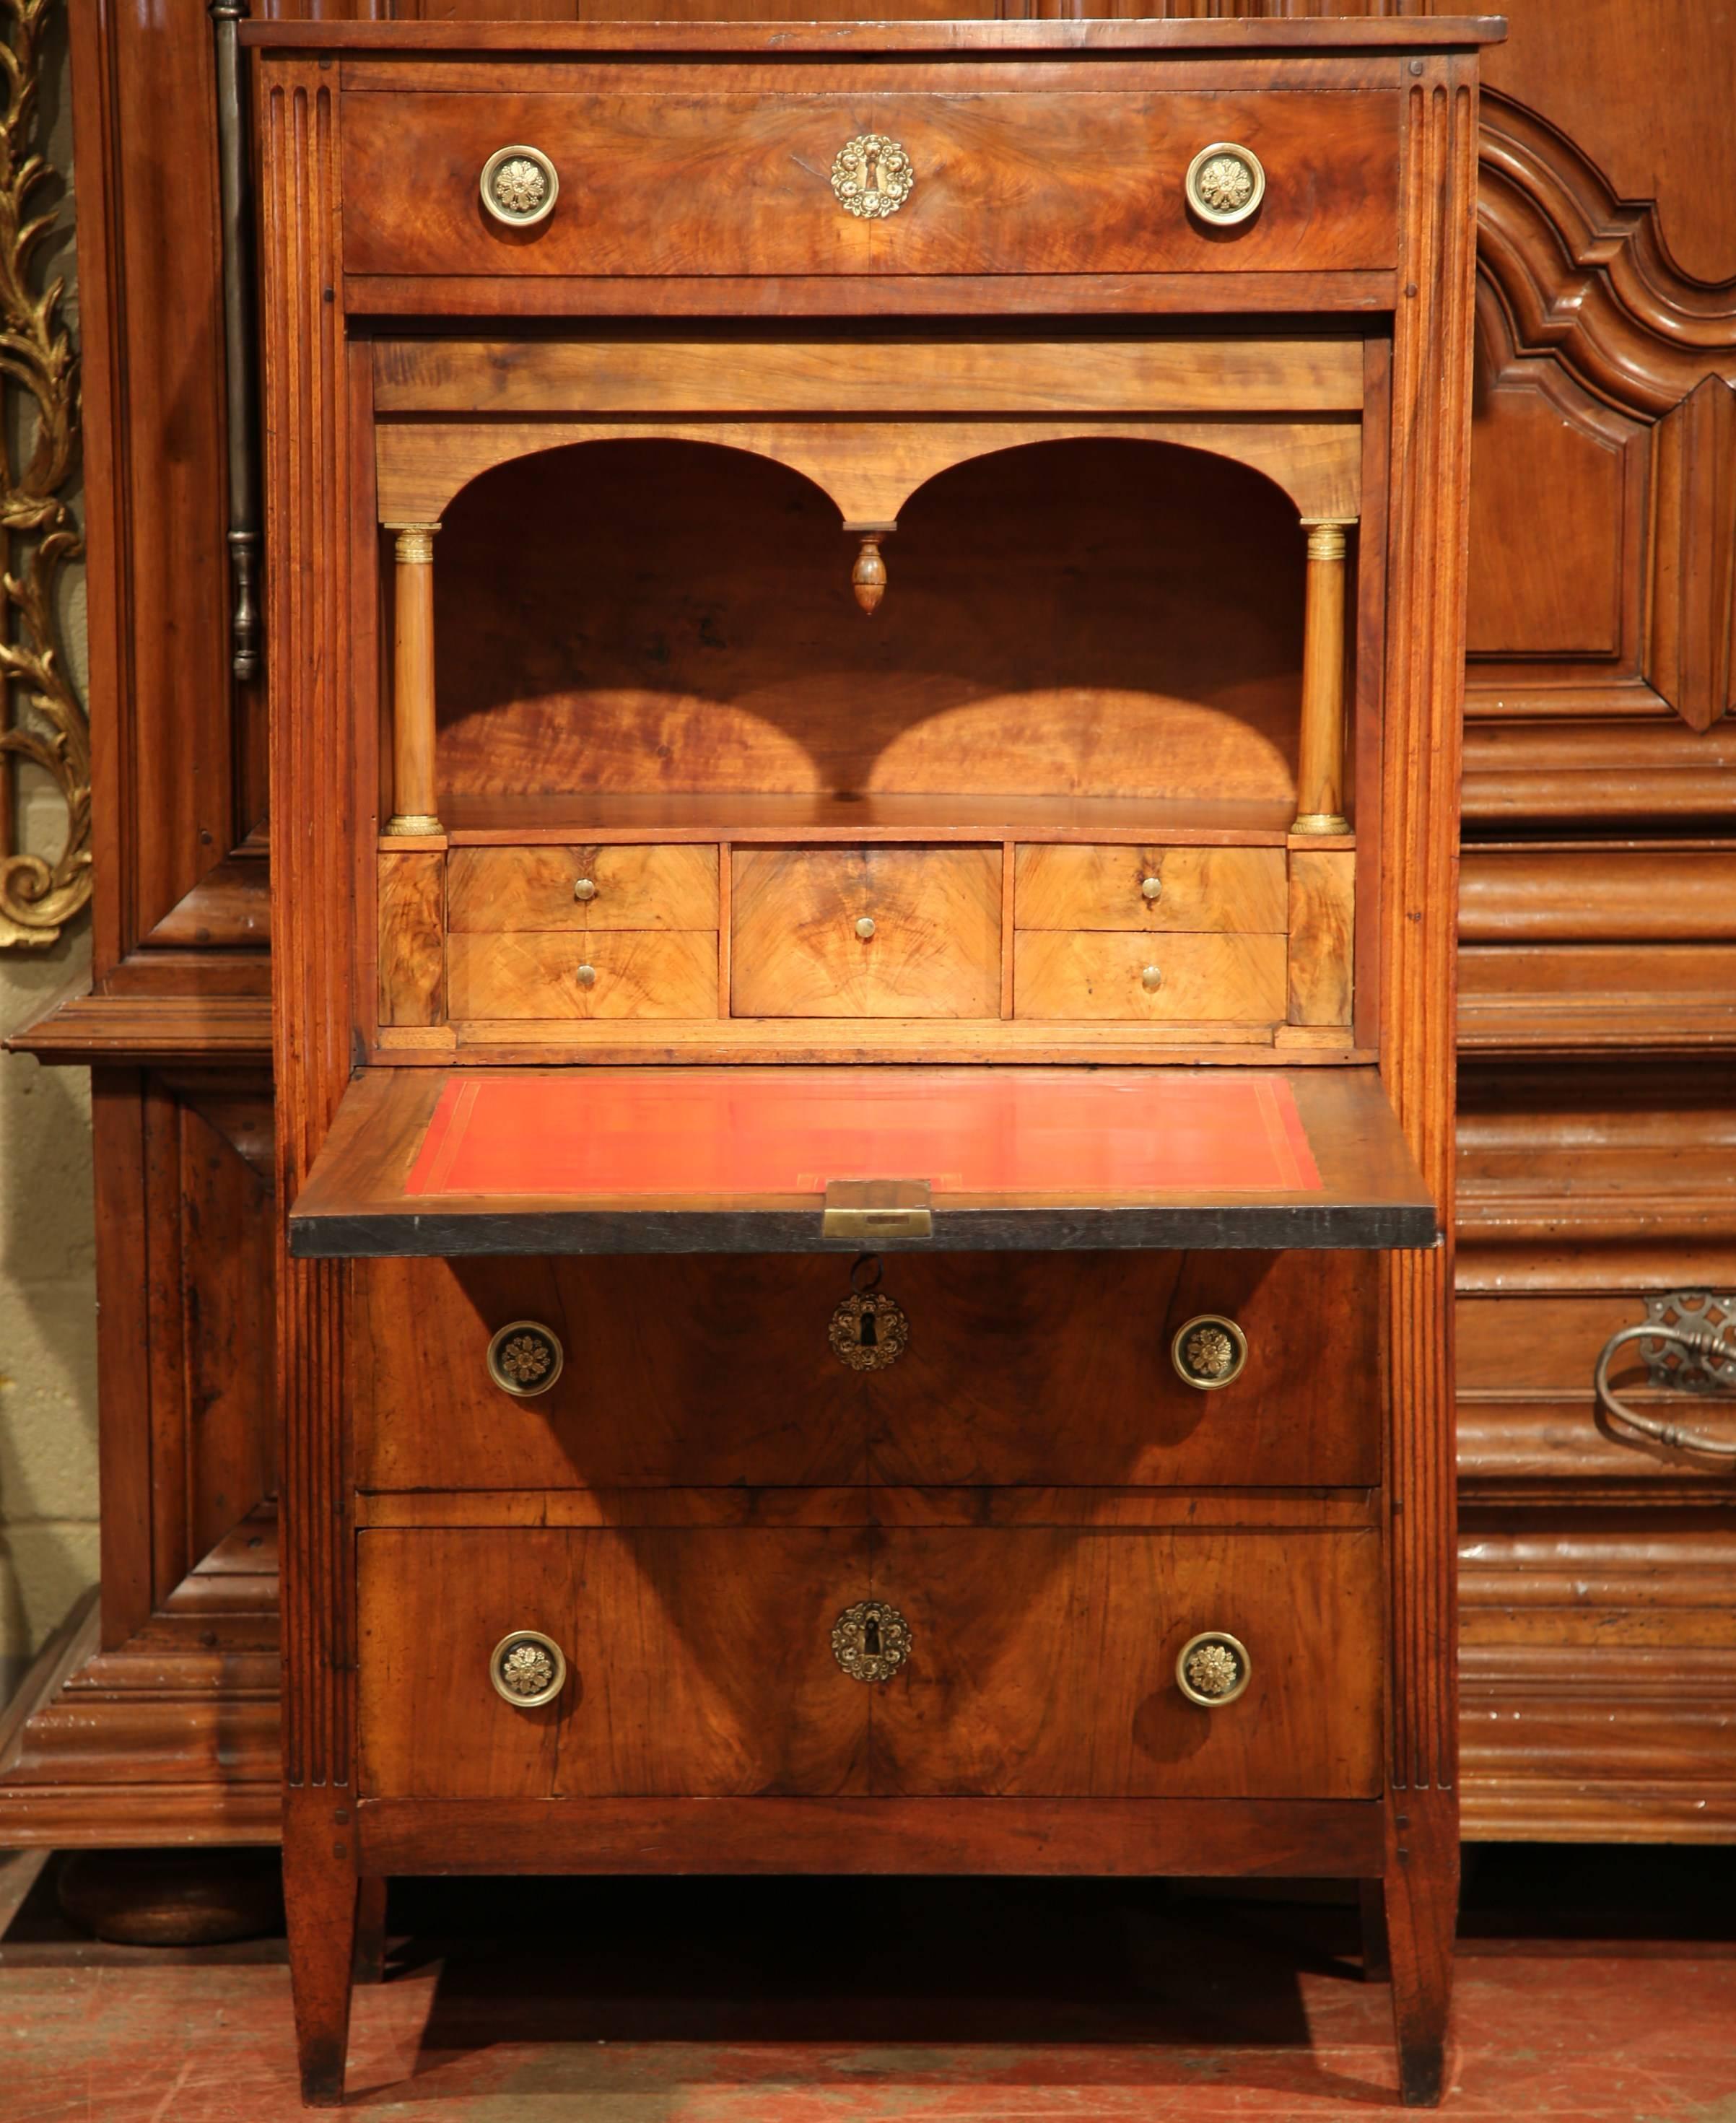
(866,932)
(490,889)
(740,183)
(1149,889)
(617,972)
(1197,979)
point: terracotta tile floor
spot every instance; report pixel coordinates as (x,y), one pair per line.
(1593,1985)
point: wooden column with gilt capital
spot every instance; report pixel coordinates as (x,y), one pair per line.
(414,809)
(1320,758)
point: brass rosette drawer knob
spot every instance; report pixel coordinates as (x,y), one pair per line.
(1213,1669)
(871,1640)
(519,186)
(871,176)
(526,1358)
(1209,1351)
(527,1669)
(1225,184)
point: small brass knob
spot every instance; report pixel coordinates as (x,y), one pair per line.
(1152,979)
(871,1640)
(527,1669)
(1225,184)
(519,186)
(1152,887)
(526,1358)
(586,977)
(865,927)
(1207,1352)
(1213,1669)
(583,888)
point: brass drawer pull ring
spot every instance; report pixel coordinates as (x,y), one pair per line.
(871,1640)
(519,186)
(1207,1352)
(527,1669)
(1225,184)
(526,1358)
(1213,1669)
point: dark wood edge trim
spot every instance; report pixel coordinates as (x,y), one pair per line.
(1322,1838)
(968,38)
(420,1233)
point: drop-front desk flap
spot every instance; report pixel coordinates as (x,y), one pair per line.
(443,1162)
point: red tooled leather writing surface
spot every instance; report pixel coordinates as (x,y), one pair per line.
(756,1131)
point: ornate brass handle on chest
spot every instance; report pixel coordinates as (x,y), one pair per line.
(1688,1342)
(1207,1352)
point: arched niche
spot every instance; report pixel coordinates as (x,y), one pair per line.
(1074,617)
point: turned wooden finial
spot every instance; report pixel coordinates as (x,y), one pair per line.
(868,578)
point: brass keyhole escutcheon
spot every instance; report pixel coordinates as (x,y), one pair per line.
(871,1640)
(869,1330)
(871,176)
(1207,1352)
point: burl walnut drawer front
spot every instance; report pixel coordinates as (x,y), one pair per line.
(1004,1662)
(1151,888)
(582,888)
(614,973)
(1020,1369)
(741,183)
(866,932)
(1173,979)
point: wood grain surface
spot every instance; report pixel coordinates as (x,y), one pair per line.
(1005,183)
(1102,973)
(1061,887)
(638,973)
(934,950)
(1024,1369)
(646,886)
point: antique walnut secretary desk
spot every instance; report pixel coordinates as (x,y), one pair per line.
(866,633)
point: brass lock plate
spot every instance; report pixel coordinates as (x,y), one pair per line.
(867,1210)
(871,1640)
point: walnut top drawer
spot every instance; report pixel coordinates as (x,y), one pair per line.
(741,183)
(1152,888)
(489,890)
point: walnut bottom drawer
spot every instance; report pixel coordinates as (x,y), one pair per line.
(1182,979)
(701,1662)
(620,972)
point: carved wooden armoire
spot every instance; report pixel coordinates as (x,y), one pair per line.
(865,635)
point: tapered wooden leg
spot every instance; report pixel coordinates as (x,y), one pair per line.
(321,1901)
(1377,1965)
(370,1932)
(1422,1901)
